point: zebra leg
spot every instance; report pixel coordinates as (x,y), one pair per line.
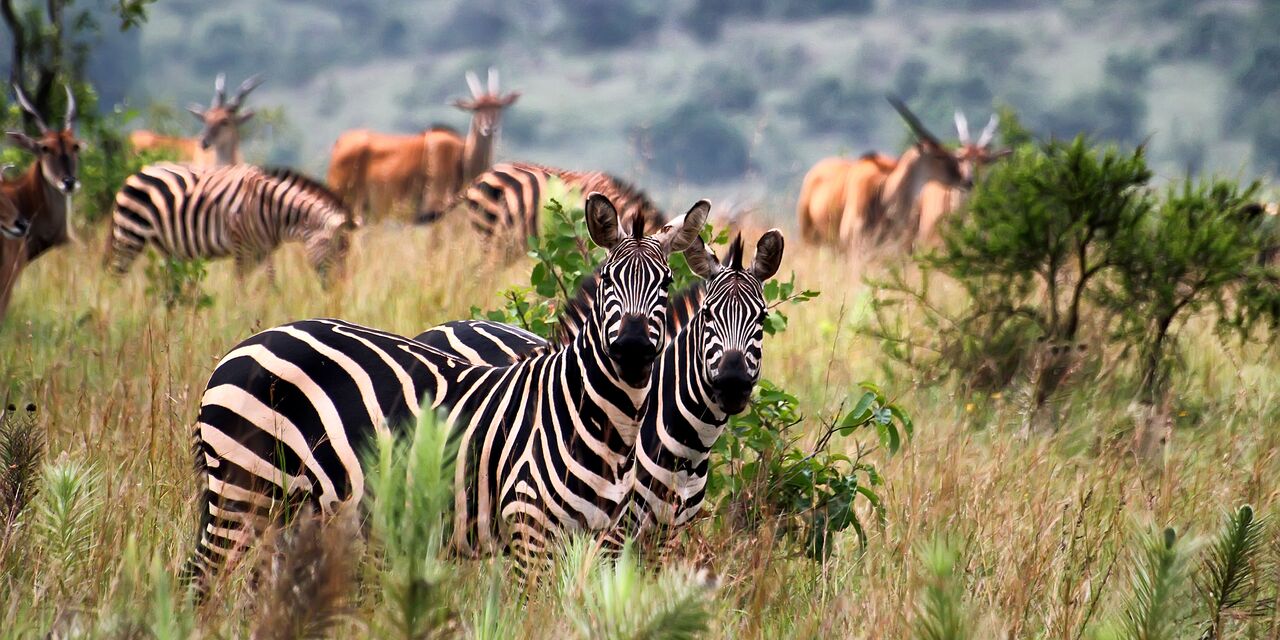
(247,261)
(123,247)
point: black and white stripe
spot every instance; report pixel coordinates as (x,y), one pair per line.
(241,210)
(507,200)
(704,375)
(540,444)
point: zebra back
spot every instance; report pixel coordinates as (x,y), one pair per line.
(507,200)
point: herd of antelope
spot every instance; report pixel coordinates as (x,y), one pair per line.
(861,205)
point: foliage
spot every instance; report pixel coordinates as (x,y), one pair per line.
(697,144)
(597,25)
(706,18)
(984,49)
(829,103)
(177,282)
(618,599)
(308,583)
(1188,254)
(940,610)
(410,484)
(1035,239)
(21,451)
(65,516)
(1157,579)
(727,88)
(760,472)
(1227,580)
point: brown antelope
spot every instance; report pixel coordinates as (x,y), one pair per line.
(218,144)
(822,196)
(373,171)
(937,199)
(40,197)
(878,205)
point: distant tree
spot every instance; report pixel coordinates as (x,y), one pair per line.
(592,25)
(830,104)
(697,144)
(984,50)
(726,87)
(909,78)
(474,24)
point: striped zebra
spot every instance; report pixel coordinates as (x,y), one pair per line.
(705,374)
(507,200)
(240,210)
(287,412)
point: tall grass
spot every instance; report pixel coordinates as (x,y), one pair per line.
(1042,520)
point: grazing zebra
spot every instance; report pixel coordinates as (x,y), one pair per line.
(287,412)
(240,210)
(705,374)
(506,201)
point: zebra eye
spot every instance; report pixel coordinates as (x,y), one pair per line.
(764,315)
(706,315)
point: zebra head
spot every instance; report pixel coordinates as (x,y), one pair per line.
(632,296)
(731,323)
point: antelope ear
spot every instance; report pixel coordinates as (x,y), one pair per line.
(510,98)
(678,234)
(602,220)
(23,141)
(768,255)
(702,260)
(196,110)
(245,117)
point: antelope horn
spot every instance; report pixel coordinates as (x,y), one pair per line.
(473,82)
(493,81)
(246,87)
(990,131)
(962,127)
(219,90)
(913,122)
(31,111)
(70,118)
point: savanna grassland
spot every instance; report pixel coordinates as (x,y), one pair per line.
(1005,527)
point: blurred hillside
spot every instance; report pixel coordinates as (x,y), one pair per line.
(733,97)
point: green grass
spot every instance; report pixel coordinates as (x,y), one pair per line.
(1044,527)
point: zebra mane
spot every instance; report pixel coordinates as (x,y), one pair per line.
(681,307)
(309,184)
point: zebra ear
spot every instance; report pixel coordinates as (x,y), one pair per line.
(602,220)
(679,234)
(768,255)
(702,260)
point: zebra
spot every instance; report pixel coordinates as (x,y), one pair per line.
(240,210)
(704,375)
(505,201)
(286,413)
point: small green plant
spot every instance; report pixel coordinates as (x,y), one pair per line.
(760,471)
(940,610)
(65,516)
(1157,580)
(1227,579)
(617,599)
(177,282)
(410,483)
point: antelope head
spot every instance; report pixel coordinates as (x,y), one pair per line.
(975,155)
(486,105)
(223,117)
(938,163)
(57,150)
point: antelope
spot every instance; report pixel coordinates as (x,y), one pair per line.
(372,170)
(218,144)
(878,205)
(822,196)
(39,200)
(937,199)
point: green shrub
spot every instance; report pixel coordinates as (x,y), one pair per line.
(177,282)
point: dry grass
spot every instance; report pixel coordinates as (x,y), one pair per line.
(1042,521)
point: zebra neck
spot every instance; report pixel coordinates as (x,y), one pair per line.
(686,420)
(608,400)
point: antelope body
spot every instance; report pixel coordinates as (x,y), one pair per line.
(34,208)
(373,171)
